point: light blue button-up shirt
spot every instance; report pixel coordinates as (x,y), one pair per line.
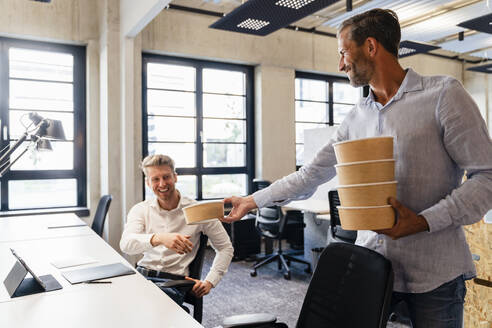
(438,134)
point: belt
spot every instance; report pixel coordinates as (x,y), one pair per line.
(158,274)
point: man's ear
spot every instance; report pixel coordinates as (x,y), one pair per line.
(372,46)
(147,182)
(175,177)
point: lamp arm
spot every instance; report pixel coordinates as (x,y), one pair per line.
(14,147)
(5,169)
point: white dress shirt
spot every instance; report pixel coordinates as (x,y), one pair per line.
(147,218)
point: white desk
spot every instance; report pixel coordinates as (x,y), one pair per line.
(129,301)
(16,228)
(316,206)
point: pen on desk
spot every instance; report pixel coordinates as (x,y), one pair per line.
(97,282)
(68,226)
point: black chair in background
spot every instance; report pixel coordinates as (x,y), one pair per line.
(271,222)
(195,272)
(336,233)
(351,287)
(101,213)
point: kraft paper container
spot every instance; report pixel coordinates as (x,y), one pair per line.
(204,212)
(366,172)
(367,194)
(366,218)
(364,149)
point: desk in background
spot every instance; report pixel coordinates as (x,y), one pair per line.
(317,220)
(129,301)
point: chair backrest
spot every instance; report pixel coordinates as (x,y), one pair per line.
(260,184)
(270,222)
(351,287)
(336,230)
(101,212)
(196,265)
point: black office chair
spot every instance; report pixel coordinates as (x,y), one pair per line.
(271,222)
(195,272)
(101,213)
(336,233)
(351,287)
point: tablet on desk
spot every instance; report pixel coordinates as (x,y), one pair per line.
(18,285)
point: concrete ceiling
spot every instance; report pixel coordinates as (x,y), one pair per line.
(431,21)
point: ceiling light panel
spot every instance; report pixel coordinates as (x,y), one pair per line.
(470,43)
(294,4)
(405,9)
(482,69)
(409,48)
(443,25)
(481,24)
(262,17)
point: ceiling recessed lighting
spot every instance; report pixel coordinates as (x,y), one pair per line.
(253,24)
(293,4)
(405,51)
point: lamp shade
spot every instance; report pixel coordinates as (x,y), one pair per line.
(43,145)
(51,129)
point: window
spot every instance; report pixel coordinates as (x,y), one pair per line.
(321,100)
(48,79)
(201,114)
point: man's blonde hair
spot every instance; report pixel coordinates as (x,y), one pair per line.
(157,160)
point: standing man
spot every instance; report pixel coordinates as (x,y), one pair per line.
(157,229)
(438,134)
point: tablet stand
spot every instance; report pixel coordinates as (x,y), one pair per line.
(18,285)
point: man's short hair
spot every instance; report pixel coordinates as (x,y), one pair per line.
(156,160)
(380,24)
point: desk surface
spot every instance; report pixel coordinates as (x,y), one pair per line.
(317,206)
(17,228)
(129,301)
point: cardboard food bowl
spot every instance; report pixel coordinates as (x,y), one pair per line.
(366,149)
(366,217)
(367,194)
(204,212)
(366,172)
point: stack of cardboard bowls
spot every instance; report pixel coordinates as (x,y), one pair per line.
(366,173)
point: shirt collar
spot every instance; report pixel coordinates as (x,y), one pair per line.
(411,82)
(183,202)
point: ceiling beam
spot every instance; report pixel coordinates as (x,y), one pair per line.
(135,15)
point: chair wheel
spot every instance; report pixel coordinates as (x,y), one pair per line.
(252,273)
(287,276)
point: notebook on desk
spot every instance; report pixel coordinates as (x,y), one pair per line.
(97,273)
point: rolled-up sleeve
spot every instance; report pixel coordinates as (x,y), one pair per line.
(134,239)
(468,143)
(223,251)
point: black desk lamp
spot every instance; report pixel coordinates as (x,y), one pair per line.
(39,136)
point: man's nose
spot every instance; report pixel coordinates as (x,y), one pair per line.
(341,65)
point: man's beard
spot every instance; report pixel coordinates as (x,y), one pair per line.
(361,73)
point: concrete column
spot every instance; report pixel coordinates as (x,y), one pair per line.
(275,122)
(110,118)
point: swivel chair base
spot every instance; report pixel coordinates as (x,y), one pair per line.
(283,261)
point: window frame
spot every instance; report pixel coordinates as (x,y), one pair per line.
(199,170)
(330,80)
(79,171)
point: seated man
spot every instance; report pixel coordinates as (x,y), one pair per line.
(157,228)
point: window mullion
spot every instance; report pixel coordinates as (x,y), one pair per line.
(4,89)
(199,129)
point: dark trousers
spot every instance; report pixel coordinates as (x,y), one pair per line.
(438,308)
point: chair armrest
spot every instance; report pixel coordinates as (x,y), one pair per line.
(175,283)
(248,320)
